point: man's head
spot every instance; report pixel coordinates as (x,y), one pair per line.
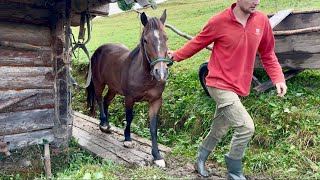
(248,6)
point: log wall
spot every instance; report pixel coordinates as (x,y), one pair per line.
(34,64)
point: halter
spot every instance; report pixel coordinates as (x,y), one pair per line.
(155,61)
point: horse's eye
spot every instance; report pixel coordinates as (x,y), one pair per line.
(145,41)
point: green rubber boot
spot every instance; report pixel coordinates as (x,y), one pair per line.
(234,168)
(201,159)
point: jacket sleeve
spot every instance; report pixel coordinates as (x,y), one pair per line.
(267,55)
(202,40)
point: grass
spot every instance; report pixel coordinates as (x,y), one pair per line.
(286,141)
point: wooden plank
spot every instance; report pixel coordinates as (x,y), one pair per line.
(298,43)
(19,12)
(25,33)
(29,99)
(26,77)
(109,138)
(268,84)
(26,121)
(121,152)
(31,138)
(61,57)
(120,131)
(137,145)
(299,20)
(278,17)
(96,148)
(295,61)
(15,57)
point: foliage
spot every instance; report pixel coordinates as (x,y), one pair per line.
(286,141)
(124,6)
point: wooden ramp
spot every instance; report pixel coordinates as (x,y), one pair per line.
(110,146)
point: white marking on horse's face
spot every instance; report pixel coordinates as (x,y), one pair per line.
(162,76)
(157,35)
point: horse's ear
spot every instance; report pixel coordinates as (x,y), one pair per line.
(164,16)
(144,19)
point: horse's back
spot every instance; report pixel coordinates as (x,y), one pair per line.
(106,64)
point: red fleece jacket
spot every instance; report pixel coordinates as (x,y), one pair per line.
(232,59)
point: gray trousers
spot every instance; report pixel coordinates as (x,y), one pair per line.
(229,113)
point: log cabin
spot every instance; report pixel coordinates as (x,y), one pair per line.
(35,58)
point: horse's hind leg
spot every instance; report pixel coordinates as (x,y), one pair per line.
(129,116)
(104,123)
(107,100)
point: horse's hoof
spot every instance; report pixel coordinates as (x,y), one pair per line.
(160,163)
(105,129)
(128,144)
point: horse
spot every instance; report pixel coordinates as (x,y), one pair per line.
(138,75)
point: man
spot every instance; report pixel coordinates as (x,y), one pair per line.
(238,33)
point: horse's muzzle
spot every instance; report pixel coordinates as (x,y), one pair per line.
(160,71)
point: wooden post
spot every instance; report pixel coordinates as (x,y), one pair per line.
(47,160)
(4,148)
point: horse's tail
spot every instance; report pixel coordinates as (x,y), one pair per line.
(91,99)
(91,95)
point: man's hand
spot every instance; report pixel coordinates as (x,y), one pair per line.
(170,54)
(281,89)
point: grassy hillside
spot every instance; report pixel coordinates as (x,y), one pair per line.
(286,143)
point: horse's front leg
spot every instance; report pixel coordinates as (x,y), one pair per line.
(154,107)
(129,116)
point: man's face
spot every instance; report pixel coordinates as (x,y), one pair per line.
(248,6)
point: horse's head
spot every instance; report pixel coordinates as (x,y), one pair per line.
(154,45)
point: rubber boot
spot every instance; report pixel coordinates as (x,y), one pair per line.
(201,159)
(234,168)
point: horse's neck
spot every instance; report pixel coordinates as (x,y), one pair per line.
(140,62)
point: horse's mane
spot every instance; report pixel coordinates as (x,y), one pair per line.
(134,52)
(153,23)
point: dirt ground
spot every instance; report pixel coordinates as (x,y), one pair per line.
(179,168)
(30,165)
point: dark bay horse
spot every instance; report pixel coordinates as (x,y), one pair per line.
(138,75)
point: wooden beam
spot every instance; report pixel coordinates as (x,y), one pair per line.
(18,141)
(180,33)
(24,13)
(47,161)
(4,148)
(120,131)
(14,101)
(97,149)
(298,43)
(299,20)
(26,78)
(120,151)
(25,33)
(26,121)
(278,17)
(268,84)
(15,57)
(93,129)
(295,60)
(27,99)
(297,31)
